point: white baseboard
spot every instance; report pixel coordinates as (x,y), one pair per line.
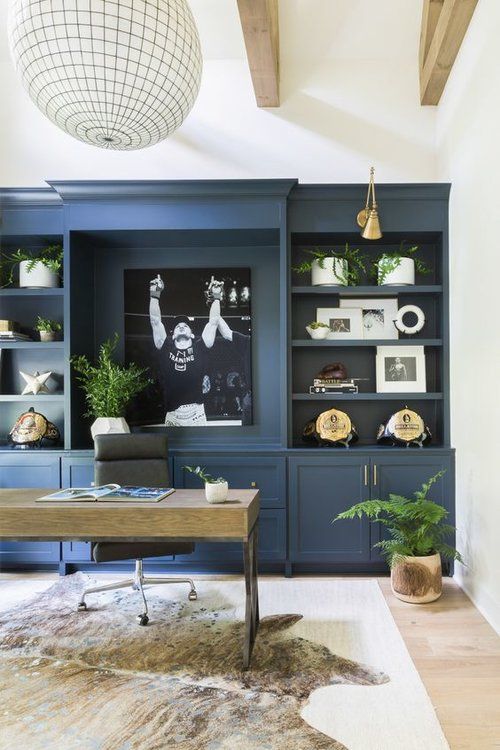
(482,600)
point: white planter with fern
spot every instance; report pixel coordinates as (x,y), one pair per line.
(37,275)
(216,492)
(329,271)
(396,273)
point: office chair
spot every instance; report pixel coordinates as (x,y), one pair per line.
(136,460)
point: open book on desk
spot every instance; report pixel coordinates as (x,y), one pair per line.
(109,493)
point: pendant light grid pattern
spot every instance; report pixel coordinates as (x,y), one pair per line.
(120,74)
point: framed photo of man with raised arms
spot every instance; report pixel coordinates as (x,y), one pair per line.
(193,329)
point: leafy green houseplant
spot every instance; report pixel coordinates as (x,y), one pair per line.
(398,267)
(417,539)
(216,488)
(317,330)
(38,269)
(330,267)
(109,387)
(48,329)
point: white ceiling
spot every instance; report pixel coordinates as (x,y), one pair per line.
(319,29)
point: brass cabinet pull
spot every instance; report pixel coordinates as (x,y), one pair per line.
(366,475)
(374,475)
(253,484)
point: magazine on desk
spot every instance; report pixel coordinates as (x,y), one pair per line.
(109,493)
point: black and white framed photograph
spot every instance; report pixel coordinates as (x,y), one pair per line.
(343,324)
(378,316)
(401,369)
(193,329)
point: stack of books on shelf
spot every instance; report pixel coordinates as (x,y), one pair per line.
(9,331)
(333,386)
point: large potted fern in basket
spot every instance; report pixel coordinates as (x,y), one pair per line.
(109,387)
(417,541)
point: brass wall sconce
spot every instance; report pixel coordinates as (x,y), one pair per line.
(368,218)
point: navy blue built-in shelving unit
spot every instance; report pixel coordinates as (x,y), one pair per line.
(106,227)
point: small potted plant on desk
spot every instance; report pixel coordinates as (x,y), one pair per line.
(38,269)
(417,541)
(109,387)
(48,329)
(216,489)
(333,268)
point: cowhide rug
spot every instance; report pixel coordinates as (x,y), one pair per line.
(98,681)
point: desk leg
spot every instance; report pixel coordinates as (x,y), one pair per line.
(252,595)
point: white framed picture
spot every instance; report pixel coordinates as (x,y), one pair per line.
(401,369)
(343,323)
(378,316)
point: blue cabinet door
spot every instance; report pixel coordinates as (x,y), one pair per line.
(77,471)
(402,473)
(25,469)
(321,487)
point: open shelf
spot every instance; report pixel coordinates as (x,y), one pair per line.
(367,396)
(328,343)
(369,291)
(17,292)
(30,397)
(31,344)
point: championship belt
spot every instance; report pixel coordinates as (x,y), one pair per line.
(31,428)
(332,427)
(405,427)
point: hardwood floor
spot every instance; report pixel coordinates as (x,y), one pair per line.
(457,655)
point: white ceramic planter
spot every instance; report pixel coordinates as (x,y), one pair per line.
(417,580)
(216,492)
(39,277)
(403,275)
(333,273)
(318,333)
(108,426)
(48,335)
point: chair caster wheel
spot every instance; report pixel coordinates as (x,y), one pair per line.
(82,607)
(192,596)
(143,619)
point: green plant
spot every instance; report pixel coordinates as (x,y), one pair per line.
(108,385)
(356,263)
(44,324)
(316,324)
(200,472)
(388,262)
(415,525)
(51,257)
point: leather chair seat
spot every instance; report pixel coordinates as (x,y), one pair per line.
(110,551)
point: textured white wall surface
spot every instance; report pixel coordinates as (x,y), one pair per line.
(349,80)
(349,99)
(469,157)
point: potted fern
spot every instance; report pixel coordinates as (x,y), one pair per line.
(37,269)
(109,387)
(48,329)
(417,542)
(333,268)
(398,268)
(216,488)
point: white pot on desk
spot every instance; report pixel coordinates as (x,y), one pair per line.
(109,426)
(216,492)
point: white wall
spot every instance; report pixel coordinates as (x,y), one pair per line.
(349,93)
(469,157)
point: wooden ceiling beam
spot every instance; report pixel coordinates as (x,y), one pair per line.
(259,21)
(444,24)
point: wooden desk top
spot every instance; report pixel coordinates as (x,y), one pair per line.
(183,515)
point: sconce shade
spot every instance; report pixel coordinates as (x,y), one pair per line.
(120,74)
(372,229)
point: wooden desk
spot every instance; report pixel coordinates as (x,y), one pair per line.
(184,515)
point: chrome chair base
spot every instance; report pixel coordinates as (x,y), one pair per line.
(137,583)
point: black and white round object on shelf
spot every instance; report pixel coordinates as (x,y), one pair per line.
(403,327)
(119,75)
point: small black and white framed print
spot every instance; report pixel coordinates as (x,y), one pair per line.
(343,323)
(401,369)
(378,316)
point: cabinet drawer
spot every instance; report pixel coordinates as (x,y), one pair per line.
(24,469)
(265,473)
(77,472)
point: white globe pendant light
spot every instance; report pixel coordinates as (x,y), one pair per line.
(119,74)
